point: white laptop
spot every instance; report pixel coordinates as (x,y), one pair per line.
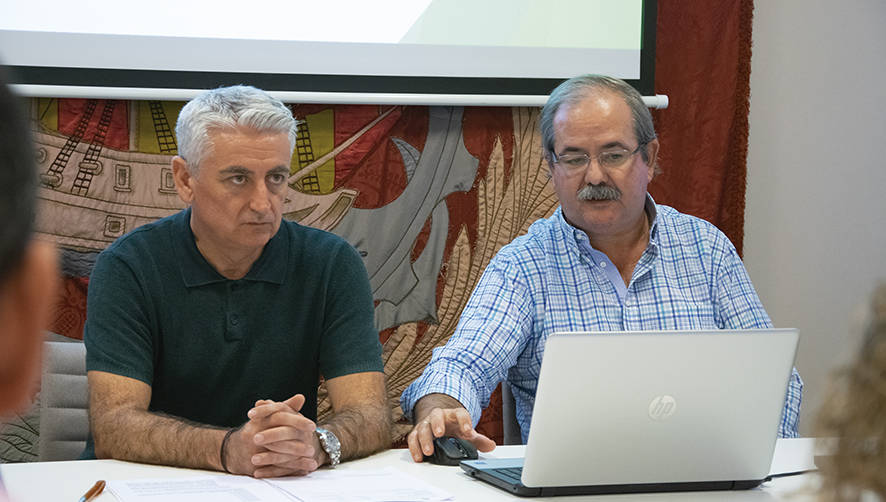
(653,411)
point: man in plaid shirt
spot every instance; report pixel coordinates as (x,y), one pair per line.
(608,259)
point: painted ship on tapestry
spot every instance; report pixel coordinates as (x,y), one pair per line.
(105,169)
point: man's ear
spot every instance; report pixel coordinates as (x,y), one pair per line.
(183,179)
(652,154)
(25,300)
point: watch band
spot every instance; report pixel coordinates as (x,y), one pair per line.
(330,445)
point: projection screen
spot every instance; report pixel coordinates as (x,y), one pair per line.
(469,52)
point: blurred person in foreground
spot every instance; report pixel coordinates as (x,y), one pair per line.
(28,268)
(856,414)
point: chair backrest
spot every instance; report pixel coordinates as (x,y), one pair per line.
(64,401)
(510,427)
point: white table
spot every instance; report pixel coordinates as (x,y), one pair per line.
(67,481)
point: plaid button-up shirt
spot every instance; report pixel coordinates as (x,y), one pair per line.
(551,280)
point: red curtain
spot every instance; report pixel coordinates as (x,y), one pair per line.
(703,64)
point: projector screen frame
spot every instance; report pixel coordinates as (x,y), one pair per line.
(128,83)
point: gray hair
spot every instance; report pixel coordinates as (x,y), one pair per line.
(229,108)
(576,88)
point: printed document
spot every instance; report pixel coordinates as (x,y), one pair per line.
(389,484)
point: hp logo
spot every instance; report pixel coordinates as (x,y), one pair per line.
(662,407)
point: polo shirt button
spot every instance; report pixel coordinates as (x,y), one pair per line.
(234,320)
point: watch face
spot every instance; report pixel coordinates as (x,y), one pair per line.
(330,444)
(332,441)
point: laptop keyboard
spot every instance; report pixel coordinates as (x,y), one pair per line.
(511,474)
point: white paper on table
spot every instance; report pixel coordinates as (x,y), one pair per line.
(389,485)
(218,488)
(797,455)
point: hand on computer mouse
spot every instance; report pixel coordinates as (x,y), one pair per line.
(449,450)
(438,415)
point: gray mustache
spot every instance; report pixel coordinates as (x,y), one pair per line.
(599,192)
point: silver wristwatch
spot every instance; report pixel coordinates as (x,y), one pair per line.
(330,444)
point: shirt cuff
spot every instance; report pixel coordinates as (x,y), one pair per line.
(442,382)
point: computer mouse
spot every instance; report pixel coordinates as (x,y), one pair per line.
(450,450)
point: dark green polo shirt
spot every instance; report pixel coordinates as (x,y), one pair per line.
(209,347)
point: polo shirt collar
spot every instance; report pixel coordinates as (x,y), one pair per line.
(196,271)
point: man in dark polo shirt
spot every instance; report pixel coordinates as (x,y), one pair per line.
(207,331)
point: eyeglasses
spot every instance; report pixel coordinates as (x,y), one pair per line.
(614,158)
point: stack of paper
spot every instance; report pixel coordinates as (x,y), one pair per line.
(388,485)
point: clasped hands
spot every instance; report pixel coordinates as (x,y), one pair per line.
(277,440)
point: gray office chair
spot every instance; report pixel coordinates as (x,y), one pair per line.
(510,427)
(64,422)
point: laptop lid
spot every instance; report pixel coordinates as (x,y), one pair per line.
(658,408)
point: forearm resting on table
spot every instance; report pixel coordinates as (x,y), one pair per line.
(361,432)
(143,436)
(124,429)
(361,418)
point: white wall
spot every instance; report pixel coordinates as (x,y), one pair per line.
(815,223)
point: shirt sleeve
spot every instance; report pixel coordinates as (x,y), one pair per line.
(789,427)
(350,341)
(739,307)
(493,330)
(117,332)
